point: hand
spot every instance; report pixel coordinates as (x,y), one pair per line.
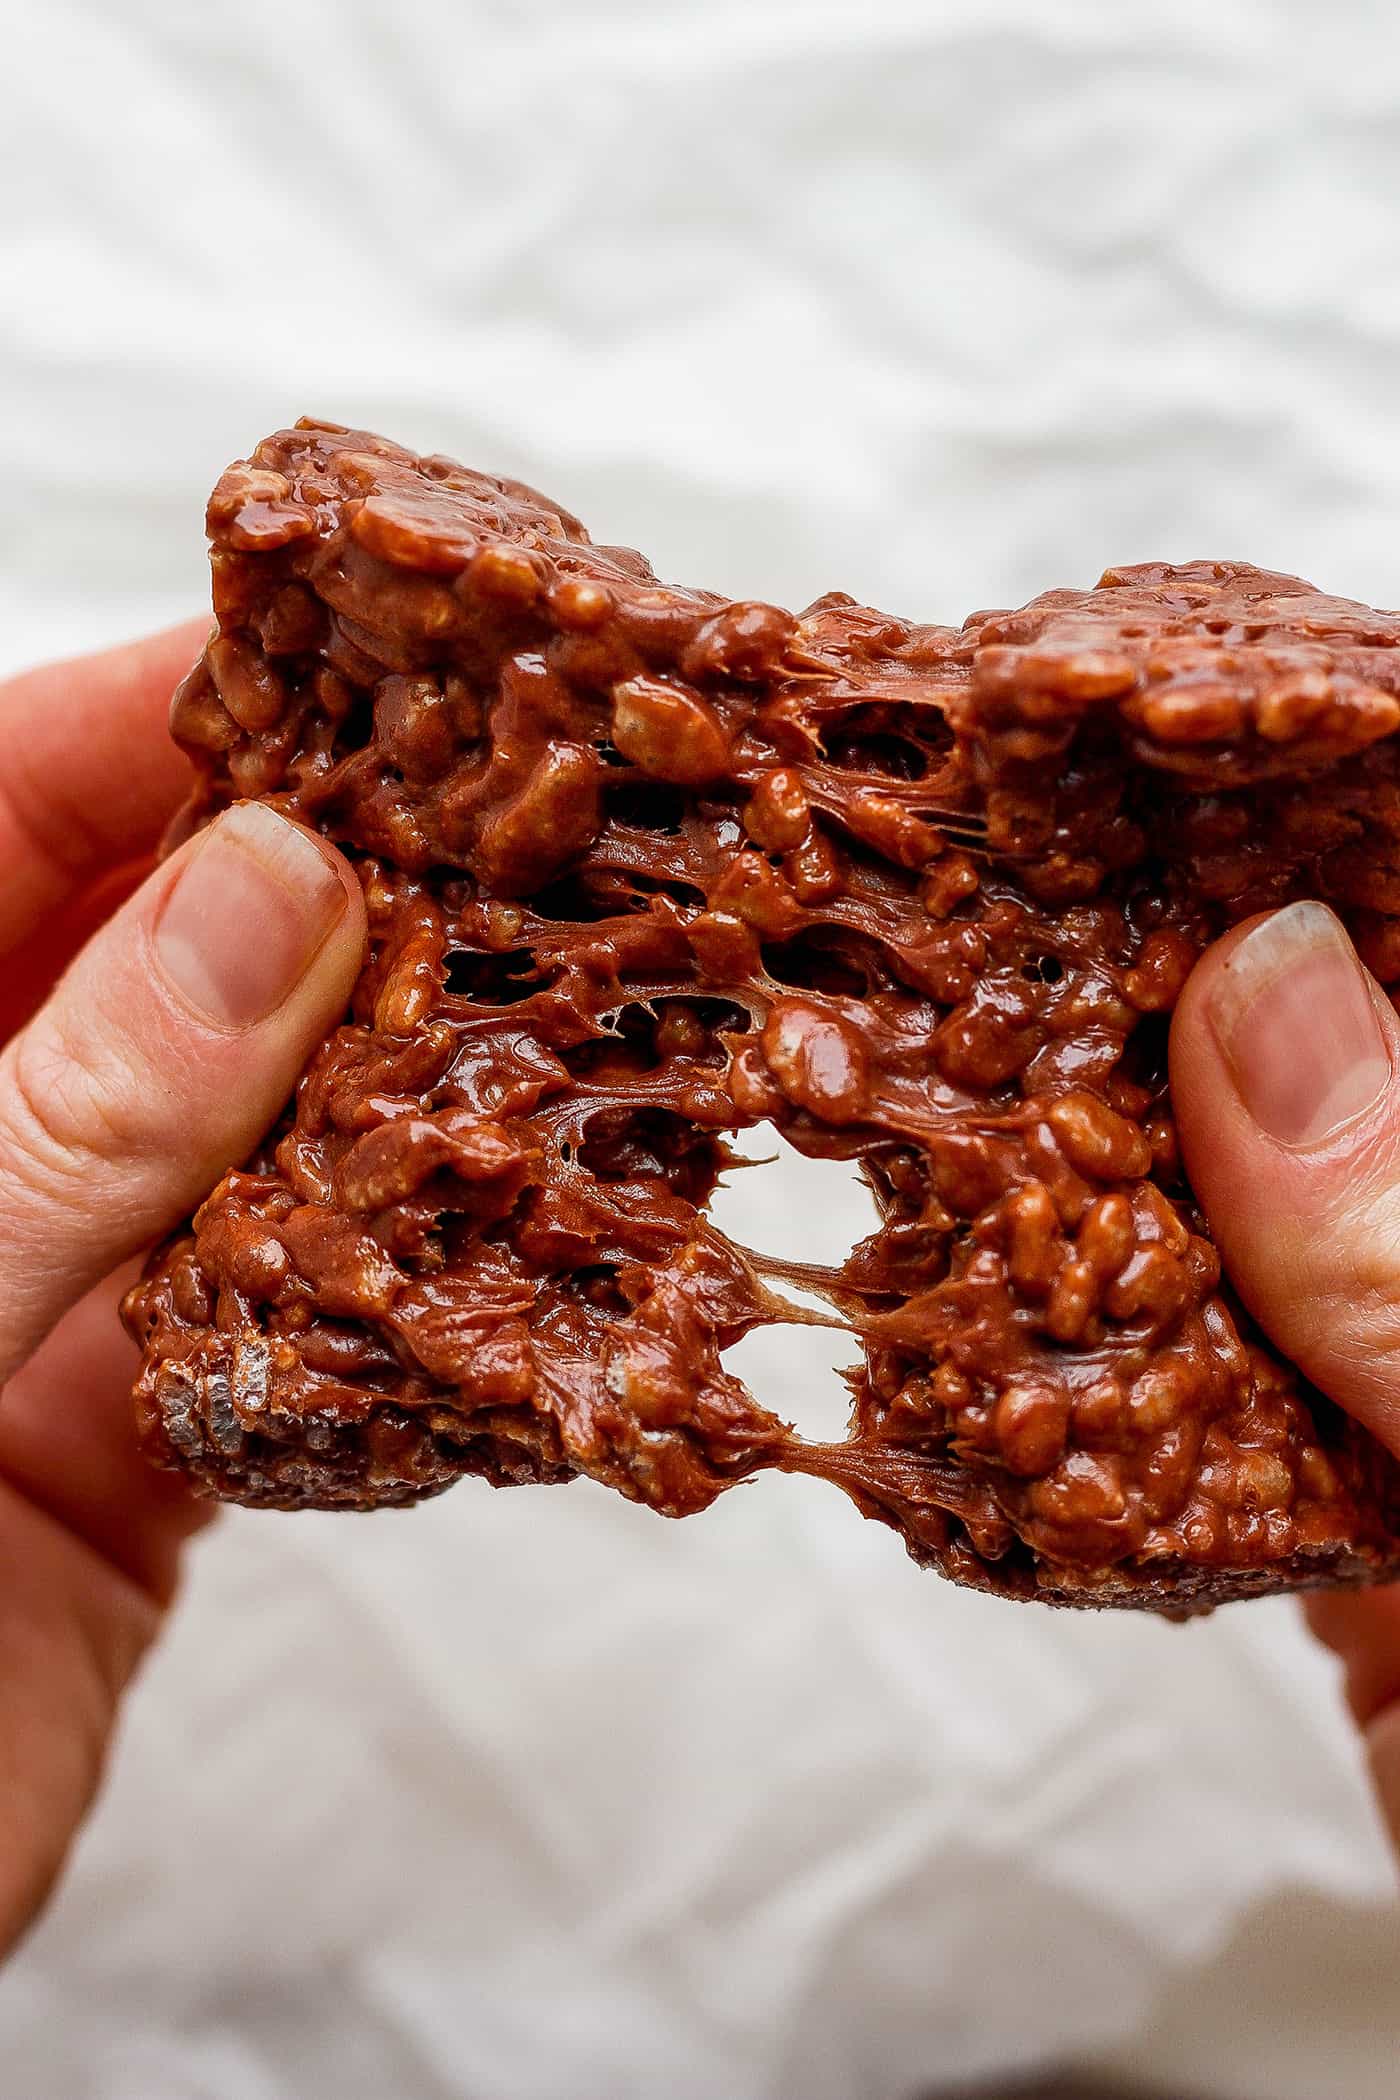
(1285,1066)
(164,1051)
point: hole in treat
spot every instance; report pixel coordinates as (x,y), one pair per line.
(799,1210)
(572,901)
(624,1051)
(647,805)
(822,962)
(651,1144)
(716,1016)
(596,1286)
(609,893)
(890,740)
(1144,1060)
(694,1029)
(646,1034)
(876,752)
(491,980)
(356,726)
(1046,969)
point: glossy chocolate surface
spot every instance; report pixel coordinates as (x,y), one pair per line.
(644,867)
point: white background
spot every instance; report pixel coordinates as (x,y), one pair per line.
(532,1796)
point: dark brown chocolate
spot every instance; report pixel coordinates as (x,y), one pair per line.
(644,867)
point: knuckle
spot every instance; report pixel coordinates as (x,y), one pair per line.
(1326,1282)
(1355,1298)
(67,1107)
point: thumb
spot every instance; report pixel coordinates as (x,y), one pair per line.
(1285,1070)
(164,1053)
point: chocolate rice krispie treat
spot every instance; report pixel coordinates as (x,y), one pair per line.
(644,867)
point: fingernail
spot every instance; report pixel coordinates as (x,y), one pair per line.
(253,904)
(1295,1016)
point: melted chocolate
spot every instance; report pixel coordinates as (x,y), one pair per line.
(644,867)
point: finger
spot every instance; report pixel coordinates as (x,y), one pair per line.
(1363,1627)
(164,1053)
(33,967)
(68,1443)
(1284,1062)
(88,773)
(72,1630)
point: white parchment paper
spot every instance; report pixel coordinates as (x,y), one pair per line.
(532,1796)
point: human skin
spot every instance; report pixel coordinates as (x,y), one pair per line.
(1285,1072)
(168,1044)
(174,1035)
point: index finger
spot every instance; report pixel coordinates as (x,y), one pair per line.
(88,774)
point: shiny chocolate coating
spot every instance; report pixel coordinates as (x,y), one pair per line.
(644,867)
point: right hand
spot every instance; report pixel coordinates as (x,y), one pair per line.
(1285,1066)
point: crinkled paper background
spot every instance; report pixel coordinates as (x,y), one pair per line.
(531,1796)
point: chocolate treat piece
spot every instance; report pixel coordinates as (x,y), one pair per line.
(643,867)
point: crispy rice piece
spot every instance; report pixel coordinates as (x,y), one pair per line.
(644,867)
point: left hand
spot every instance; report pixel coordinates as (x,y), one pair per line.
(164,1051)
